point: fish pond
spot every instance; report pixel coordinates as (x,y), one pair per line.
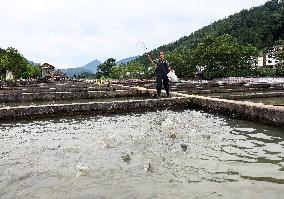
(161,154)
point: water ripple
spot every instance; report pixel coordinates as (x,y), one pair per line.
(164,154)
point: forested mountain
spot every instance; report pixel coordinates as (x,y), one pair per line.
(126,60)
(261,27)
(88,68)
(92,67)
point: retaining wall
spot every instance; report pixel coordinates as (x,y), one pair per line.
(40,94)
(257,112)
(252,95)
(91,108)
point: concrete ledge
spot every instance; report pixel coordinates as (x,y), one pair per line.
(257,112)
(265,114)
(51,96)
(253,95)
(91,108)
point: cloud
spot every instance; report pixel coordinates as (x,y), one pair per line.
(70,33)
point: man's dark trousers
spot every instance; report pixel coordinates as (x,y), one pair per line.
(165,81)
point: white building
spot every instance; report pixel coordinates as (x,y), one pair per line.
(270,57)
(260,61)
(9,75)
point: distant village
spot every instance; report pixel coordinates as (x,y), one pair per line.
(269,59)
(48,72)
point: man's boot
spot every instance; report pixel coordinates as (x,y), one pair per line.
(158,93)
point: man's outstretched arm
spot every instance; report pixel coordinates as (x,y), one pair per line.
(151,60)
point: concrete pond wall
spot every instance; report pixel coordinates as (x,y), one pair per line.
(256,112)
(68,92)
(265,114)
(250,95)
(91,108)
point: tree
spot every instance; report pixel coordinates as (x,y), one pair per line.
(30,71)
(105,68)
(16,62)
(222,56)
(84,75)
(260,26)
(182,62)
(280,56)
(3,62)
(279,70)
(129,71)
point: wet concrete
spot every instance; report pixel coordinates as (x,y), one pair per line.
(246,110)
(248,95)
(257,112)
(70,101)
(135,156)
(91,108)
(269,100)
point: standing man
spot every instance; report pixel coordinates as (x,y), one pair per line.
(162,70)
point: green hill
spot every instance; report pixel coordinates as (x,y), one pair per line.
(261,27)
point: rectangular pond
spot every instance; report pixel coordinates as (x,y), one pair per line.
(161,154)
(229,94)
(268,100)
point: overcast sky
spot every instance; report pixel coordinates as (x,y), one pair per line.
(71,33)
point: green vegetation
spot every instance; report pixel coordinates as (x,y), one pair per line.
(222,56)
(12,60)
(227,47)
(85,75)
(280,67)
(133,70)
(105,68)
(30,71)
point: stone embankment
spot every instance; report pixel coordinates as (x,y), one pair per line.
(209,88)
(256,112)
(265,114)
(65,91)
(251,95)
(91,108)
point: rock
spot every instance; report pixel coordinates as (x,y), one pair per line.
(173,136)
(148,167)
(126,158)
(184,147)
(82,170)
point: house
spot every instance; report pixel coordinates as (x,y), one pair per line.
(269,59)
(47,70)
(9,75)
(59,75)
(260,61)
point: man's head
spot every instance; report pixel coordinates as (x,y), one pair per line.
(162,55)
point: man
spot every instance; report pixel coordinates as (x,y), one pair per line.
(162,70)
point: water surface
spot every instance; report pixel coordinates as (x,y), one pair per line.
(268,100)
(167,154)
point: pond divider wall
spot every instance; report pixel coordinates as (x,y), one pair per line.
(51,96)
(266,114)
(91,108)
(256,112)
(28,95)
(252,95)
